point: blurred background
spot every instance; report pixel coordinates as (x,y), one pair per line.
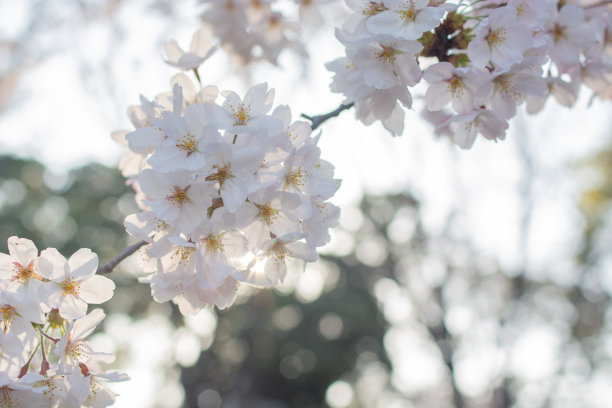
(476,278)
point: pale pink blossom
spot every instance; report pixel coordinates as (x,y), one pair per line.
(499,39)
(75,281)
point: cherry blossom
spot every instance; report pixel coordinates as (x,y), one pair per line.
(34,326)
(75,281)
(200,49)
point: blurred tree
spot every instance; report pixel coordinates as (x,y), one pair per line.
(403,317)
(444,327)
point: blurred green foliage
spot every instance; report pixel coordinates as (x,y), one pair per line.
(278,349)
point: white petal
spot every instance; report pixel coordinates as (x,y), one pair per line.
(51,264)
(22,249)
(83,263)
(72,307)
(97,289)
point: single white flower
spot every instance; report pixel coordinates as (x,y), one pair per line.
(76,282)
(465,127)
(464,88)
(407,19)
(72,349)
(200,49)
(499,39)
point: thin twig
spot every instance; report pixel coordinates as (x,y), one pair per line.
(319,119)
(110,265)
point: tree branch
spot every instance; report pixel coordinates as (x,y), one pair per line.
(319,119)
(110,265)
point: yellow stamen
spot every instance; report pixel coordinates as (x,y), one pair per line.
(24,273)
(455,86)
(387,55)
(496,37)
(296,178)
(373,8)
(214,243)
(241,113)
(408,11)
(267,214)
(7,316)
(523,9)
(222,174)
(70,287)
(179,196)
(188,144)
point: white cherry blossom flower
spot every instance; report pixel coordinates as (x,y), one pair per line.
(18,270)
(250,113)
(532,13)
(511,87)
(90,390)
(233,168)
(464,88)
(500,39)
(176,198)
(76,282)
(200,49)
(386,62)
(407,19)
(571,33)
(465,127)
(186,139)
(72,349)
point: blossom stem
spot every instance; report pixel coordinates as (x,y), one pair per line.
(110,265)
(319,119)
(53,339)
(26,366)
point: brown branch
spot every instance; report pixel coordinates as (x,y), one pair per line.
(319,119)
(110,265)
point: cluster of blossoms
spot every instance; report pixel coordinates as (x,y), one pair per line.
(229,192)
(254,29)
(45,360)
(481,59)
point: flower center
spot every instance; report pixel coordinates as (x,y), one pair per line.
(178,196)
(70,287)
(267,214)
(408,12)
(455,86)
(505,86)
(214,243)
(222,174)
(241,113)
(296,178)
(558,32)
(496,37)
(188,144)
(280,254)
(183,253)
(522,9)
(75,350)
(7,313)
(387,54)
(24,273)
(373,8)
